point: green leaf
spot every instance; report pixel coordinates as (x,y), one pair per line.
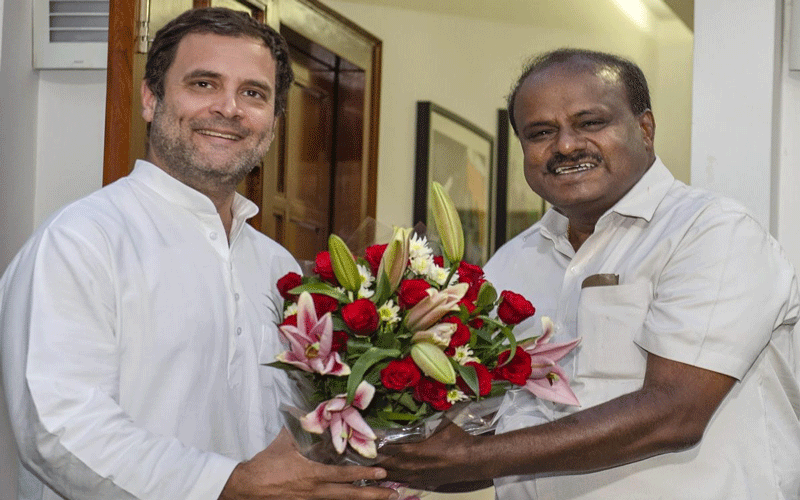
(397,416)
(470,376)
(321,288)
(486,295)
(357,371)
(383,289)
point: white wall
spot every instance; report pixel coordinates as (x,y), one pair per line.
(469,65)
(788,206)
(746,112)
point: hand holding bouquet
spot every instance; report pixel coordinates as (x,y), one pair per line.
(396,337)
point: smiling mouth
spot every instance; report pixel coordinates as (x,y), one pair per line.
(573,169)
(223,135)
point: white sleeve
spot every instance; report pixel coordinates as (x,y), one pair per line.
(60,369)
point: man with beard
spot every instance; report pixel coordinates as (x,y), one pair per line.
(687,371)
(136,320)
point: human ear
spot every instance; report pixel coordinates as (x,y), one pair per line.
(149,101)
(647,123)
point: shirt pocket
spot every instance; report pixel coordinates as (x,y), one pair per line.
(609,319)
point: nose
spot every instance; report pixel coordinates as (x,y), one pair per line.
(569,140)
(226,104)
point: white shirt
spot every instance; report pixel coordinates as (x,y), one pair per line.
(700,282)
(132,337)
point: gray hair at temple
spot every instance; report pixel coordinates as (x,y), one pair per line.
(631,75)
(218,21)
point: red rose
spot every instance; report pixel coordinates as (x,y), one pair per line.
(339,342)
(323,267)
(411,292)
(324,304)
(469,273)
(290,320)
(361,316)
(472,291)
(484,380)
(438,260)
(460,337)
(514,308)
(373,254)
(432,392)
(400,374)
(291,280)
(517,370)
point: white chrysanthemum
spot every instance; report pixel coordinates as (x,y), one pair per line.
(463,355)
(437,274)
(365,293)
(418,247)
(389,313)
(367,279)
(455,395)
(420,265)
(291,309)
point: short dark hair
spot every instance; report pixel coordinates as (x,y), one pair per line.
(218,21)
(631,75)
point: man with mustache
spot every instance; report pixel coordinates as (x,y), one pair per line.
(136,321)
(687,371)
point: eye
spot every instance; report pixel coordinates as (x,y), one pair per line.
(255,94)
(538,134)
(593,124)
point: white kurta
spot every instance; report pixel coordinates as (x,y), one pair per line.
(132,335)
(700,282)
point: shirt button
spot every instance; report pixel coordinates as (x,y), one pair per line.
(213,235)
(239,331)
(235,296)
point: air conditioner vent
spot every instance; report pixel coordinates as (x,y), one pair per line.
(70,33)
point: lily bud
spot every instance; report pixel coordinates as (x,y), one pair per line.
(433,307)
(447,223)
(433,362)
(344,265)
(439,334)
(395,257)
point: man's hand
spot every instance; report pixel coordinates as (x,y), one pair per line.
(441,459)
(669,413)
(281,472)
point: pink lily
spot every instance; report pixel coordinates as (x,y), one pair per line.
(433,307)
(310,341)
(346,423)
(547,380)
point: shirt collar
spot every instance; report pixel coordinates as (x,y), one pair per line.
(645,196)
(641,201)
(187,197)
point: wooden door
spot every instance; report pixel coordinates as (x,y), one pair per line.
(301,200)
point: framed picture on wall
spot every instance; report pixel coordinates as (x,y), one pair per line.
(458,155)
(518,206)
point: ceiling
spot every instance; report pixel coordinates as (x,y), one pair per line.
(574,14)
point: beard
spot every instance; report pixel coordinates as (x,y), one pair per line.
(182,160)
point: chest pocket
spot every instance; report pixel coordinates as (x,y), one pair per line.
(609,318)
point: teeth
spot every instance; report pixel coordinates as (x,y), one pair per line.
(218,134)
(573,169)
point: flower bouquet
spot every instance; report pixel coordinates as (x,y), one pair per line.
(387,342)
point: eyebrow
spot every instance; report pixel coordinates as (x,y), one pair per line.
(206,73)
(547,123)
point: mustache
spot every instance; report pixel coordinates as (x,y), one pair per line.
(559,159)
